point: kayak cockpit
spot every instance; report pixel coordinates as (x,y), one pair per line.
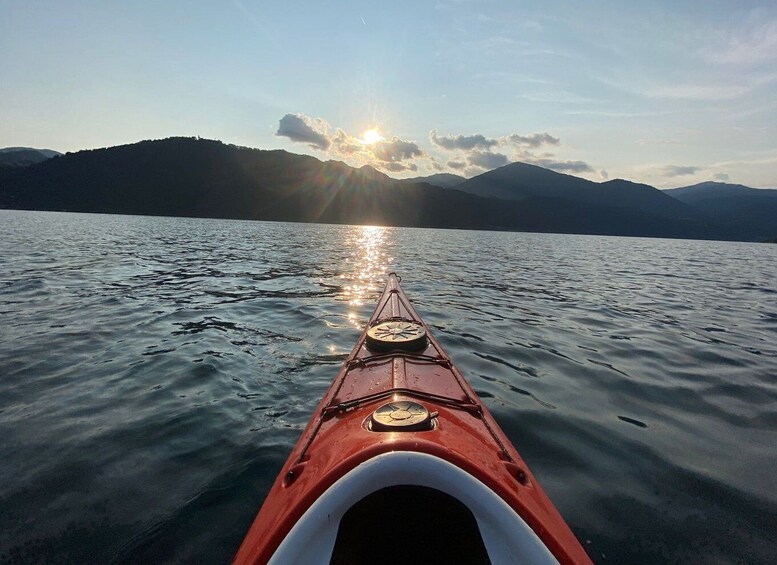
(420,524)
(438,498)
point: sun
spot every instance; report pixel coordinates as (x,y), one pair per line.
(371,136)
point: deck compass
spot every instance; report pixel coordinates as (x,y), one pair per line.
(396,334)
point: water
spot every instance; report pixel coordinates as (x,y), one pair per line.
(155,372)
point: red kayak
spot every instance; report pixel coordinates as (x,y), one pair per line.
(402,461)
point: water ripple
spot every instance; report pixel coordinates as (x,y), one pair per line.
(157,371)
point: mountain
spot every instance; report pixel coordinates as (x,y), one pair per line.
(443,180)
(521,181)
(203,178)
(23,156)
(45,152)
(709,190)
(369,172)
(751,213)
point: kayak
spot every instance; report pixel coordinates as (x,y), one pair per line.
(402,461)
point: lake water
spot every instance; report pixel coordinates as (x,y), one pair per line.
(155,373)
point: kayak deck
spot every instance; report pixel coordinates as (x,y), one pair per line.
(398,416)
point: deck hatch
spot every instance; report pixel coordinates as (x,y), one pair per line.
(401,416)
(396,334)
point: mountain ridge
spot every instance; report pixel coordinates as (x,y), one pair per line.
(520,180)
(443,180)
(206,178)
(23,156)
(715,189)
(749,212)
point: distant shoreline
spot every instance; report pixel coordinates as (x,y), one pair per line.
(199,178)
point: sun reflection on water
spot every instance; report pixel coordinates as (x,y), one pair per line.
(366,267)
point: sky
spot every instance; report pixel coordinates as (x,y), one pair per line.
(668,93)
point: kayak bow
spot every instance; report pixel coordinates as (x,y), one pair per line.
(401,460)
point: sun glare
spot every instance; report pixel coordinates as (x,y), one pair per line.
(371,136)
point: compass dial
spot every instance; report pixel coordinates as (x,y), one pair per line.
(409,336)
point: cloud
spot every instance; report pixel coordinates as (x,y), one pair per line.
(659,141)
(304,129)
(532,25)
(462,142)
(395,150)
(615,114)
(395,154)
(747,46)
(604,175)
(564,166)
(771,158)
(470,154)
(722,177)
(558,97)
(533,140)
(704,92)
(679,170)
(481,142)
(475,152)
(396,167)
(486,160)
(433,165)
(345,144)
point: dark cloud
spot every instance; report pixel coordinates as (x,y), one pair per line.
(486,160)
(304,129)
(564,166)
(396,167)
(477,151)
(395,150)
(533,140)
(722,177)
(483,143)
(462,142)
(679,170)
